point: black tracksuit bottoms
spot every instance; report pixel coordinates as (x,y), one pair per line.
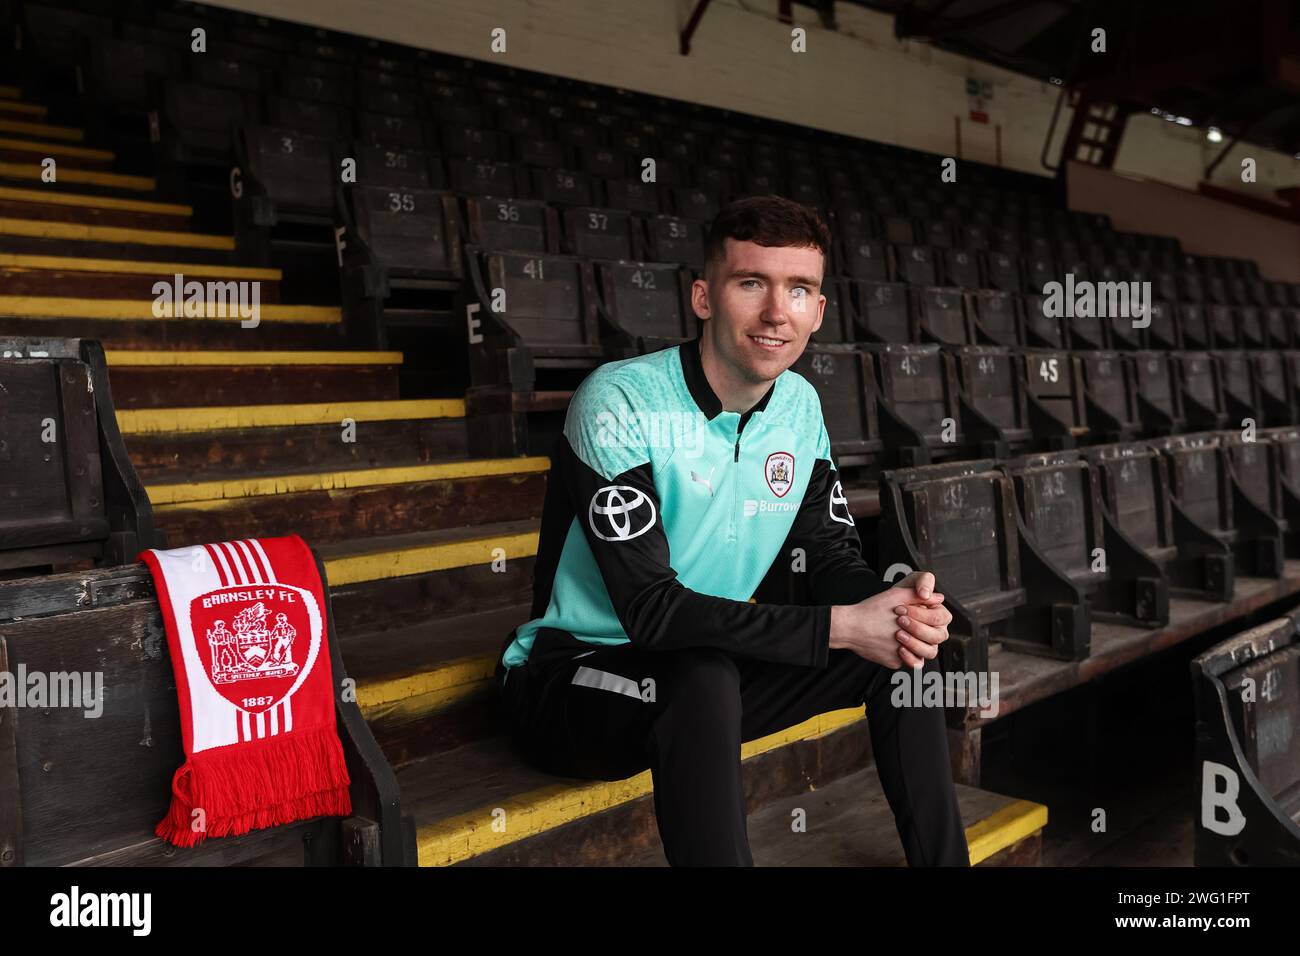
(612,712)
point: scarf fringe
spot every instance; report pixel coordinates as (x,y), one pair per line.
(237,786)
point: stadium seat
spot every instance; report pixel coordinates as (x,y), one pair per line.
(845,379)
(516,224)
(646,306)
(1054,396)
(72,498)
(918,411)
(1061,505)
(1246,690)
(941,315)
(882,312)
(1110,394)
(994,317)
(1199,380)
(1204,487)
(1159,397)
(960,520)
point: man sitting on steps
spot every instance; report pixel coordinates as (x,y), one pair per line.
(682,479)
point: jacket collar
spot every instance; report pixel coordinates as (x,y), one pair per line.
(702,391)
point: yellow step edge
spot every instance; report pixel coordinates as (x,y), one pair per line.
(28,109)
(142,358)
(439,685)
(55,149)
(472,834)
(1004,828)
(80,232)
(90,177)
(218,493)
(165,270)
(142,310)
(423,559)
(150,421)
(98,202)
(70,133)
(10,92)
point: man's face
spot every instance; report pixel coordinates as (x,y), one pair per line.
(763,303)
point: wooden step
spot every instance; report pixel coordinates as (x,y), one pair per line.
(10,93)
(246,382)
(81,277)
(115,235)
(135,310)
(71,174)
(232,452)
(48,130)
(14,108)
(849,823)
(402,580)
(190,420)
(21,151)
(428,687)
(145,358)
(358,503)
(456,796)
(51,206)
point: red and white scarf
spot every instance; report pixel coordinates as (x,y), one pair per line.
(247,634)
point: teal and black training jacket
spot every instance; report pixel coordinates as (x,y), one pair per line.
(664,514)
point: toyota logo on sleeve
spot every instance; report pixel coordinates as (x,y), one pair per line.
(620,512)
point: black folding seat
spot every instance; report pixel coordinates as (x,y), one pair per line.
(673,239)
(1199,380)
(310,116)
(882,311)
(1159,396)
(865,259)
(498,223)
(1054,396)
(451,105)
(124,73)
(392,166)
(326,48)
(233,72)
(960,520)
(1279,293)
(1223,325)
(1137,493)
(1110,395)
(470,142)
(535,312)
(597,233)
(484,178)
(940,315)
(845,380)
(578,136)
(993,401)
(294,172)
(807,191)
(1257,469)
(1240,389)
(1165,330)
(1002,272)
(632,195)
(608,162)
(960,267)
(1039,272)
(403,233)
(390,102)
(1084,331)
(1250,328)
(645,306)
(1216,289)
(1279,327)
(201,121)
(1194,326)
(918,411)
(562,187)
(1274,387)
(63,36)
(994,317)
(838,325)
(915,265)
(301,80)
(1204,488)
(1062,510)
(383,129)
(252,36)
(898,230)
(699,204)
(1041,330)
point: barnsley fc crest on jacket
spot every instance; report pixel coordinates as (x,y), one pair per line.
(779,471)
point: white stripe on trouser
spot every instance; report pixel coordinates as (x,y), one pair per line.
(604,680)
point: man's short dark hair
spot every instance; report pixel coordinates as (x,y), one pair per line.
(768,221)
